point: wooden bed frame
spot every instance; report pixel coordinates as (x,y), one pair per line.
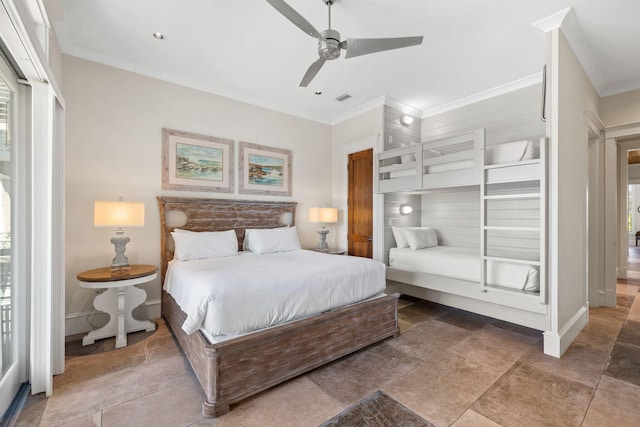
(241,367)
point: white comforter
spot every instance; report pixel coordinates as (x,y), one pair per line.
(464,264)
(246,292)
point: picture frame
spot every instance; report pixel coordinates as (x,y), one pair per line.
(264,170)
(193,162)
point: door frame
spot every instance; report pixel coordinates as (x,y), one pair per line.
(615,177)
(16,374)
(368,142)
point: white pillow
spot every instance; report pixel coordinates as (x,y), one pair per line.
(191,245)
(406,158)
(270,240)
(420,237)
(398,235)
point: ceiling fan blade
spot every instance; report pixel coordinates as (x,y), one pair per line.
(293,16)
(311,72)
(358,47)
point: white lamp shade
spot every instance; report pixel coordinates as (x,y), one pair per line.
(118,214)
(323,215)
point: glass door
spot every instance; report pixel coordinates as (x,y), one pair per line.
(12,307)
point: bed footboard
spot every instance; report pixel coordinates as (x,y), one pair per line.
(241,367)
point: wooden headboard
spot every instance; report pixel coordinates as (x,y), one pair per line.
(218,215)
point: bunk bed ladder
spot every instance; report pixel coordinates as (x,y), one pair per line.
(519,191)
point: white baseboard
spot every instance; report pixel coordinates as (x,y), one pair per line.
(556,343)
(83,322)
(622,272)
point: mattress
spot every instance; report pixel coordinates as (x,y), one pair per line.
(464,264)
(238,294)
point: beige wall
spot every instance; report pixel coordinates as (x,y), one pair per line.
(571,96)
(351,135)
(114,121)
(621,109)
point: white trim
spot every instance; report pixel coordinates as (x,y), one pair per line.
(552,22)
(555,344)
(610,217)
(377,102)
(41,239)
(30,56)
(78,323)
(16,372)
(594,122)
(406,109)
(368,142)
(622,130)
(620,88)
(487,94)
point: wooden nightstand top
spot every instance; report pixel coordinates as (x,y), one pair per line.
(106,275)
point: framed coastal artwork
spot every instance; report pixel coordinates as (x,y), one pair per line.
(196,162)
(264,170)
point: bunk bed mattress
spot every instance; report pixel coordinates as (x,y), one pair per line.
(464,264)
(246,292)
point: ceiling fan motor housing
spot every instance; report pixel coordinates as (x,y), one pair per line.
(329,44)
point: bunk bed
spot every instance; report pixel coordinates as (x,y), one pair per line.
(503,277)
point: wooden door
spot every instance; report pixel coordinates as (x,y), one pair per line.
(360,205)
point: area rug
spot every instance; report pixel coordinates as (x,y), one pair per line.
(377,410)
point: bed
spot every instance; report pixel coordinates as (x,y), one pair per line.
(231,363)
(465,264)
(452,162)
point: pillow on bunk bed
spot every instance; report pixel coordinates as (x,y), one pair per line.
(398,235)
(272,240)
(192,245)
(420,237)
(516,151)
(406,158)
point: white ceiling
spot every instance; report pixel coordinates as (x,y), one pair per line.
(246,50)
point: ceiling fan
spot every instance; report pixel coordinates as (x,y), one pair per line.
(329,44)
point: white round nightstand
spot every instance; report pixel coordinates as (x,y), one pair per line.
(118,301)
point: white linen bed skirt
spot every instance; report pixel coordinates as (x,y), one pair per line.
(246,292)
(464,264)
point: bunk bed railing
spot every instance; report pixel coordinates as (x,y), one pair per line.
(445,162)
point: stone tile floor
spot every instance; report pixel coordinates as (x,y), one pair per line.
(449,366)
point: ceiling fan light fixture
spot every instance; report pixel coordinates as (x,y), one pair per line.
(329,44)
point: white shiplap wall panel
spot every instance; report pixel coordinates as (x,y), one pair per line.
(397,135)
(510,117)
(455,216)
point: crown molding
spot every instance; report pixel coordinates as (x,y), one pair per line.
(489,93)
(363,108)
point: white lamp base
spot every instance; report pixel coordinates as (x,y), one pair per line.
(120,262)
(323,246)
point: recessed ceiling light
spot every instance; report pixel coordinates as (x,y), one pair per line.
(318,92)
(159,36)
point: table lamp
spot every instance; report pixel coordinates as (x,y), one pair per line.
(323,216)
(119,214)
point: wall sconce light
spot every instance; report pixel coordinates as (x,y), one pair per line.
(405,209)
(406,120)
